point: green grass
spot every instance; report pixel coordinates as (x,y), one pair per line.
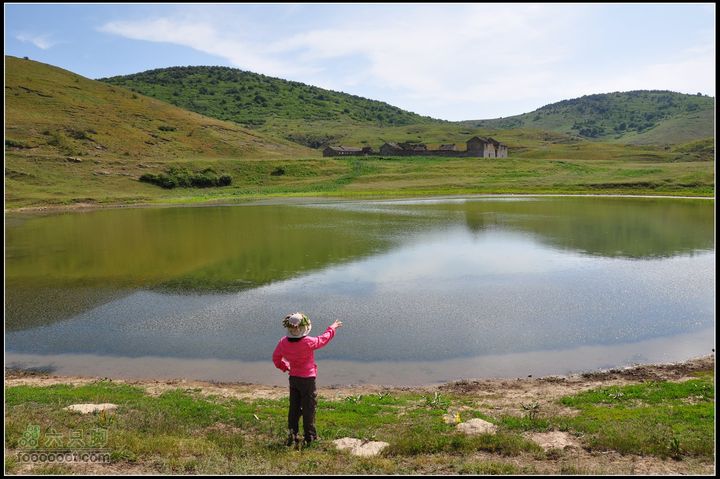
(183,431)
(658,418)
(34,181)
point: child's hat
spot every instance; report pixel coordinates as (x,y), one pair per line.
(298,325)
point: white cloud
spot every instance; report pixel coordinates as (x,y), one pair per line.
(207,38)
(689,71)
(41,41)
(448,61)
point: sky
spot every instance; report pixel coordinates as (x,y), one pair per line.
(450,61)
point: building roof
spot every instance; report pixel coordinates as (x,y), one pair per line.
(448,146)
(349,149)
(487,140)
(413,146)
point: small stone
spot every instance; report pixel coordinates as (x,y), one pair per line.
(553,440)
(90,408)
(358,447)
(477,426)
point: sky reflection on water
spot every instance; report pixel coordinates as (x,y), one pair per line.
(451,283)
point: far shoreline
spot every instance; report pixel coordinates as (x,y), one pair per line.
(313,198)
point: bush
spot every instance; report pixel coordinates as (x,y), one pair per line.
(181,177)
(77,134)
(16,144)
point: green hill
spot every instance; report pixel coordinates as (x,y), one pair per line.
(251,99)
(636,117)
(72,138)
(51,111)
(316,117)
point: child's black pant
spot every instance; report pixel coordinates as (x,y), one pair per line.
(303,400)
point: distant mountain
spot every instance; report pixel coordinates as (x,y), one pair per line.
(51,111)
(637,117)
(310,115)
(252,99)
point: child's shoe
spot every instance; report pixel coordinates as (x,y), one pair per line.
(293,440)
(309,441)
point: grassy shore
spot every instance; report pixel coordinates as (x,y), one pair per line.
(30,182)
(652,419)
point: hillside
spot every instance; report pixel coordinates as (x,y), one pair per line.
(53,111)
(636,117)
(251,99)
(315,117)
(70,138)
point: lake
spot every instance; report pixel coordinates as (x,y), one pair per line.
(429,290)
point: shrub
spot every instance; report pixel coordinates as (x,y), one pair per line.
(16,144)
(181,177)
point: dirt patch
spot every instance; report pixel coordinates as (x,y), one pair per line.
(553,440)
(83,468)
(577,461)
(88,408)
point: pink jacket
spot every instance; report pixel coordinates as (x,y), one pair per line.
(299,357)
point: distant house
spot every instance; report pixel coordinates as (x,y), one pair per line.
(477,146)
(414,147)
(501,150)
(342,151)
(390,148)
(486,148)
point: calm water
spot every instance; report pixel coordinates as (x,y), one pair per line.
(429,290)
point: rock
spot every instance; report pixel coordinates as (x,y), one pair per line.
(477,426)
(90,408)
(553,440)
(359,447)
(73,159)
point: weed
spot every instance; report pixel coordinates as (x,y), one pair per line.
(437,401)
(532,410)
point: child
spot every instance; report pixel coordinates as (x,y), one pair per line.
(295,353)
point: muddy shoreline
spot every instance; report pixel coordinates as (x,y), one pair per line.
(503,391)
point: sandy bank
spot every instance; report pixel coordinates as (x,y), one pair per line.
(505,394)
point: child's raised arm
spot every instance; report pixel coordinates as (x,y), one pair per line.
(325,337)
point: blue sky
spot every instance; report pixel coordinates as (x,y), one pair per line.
(450,61)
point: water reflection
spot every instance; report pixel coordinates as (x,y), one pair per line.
(413,281)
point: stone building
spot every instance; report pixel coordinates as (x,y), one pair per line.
(390,148)
(342,151)
(486,148)
(477,147)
